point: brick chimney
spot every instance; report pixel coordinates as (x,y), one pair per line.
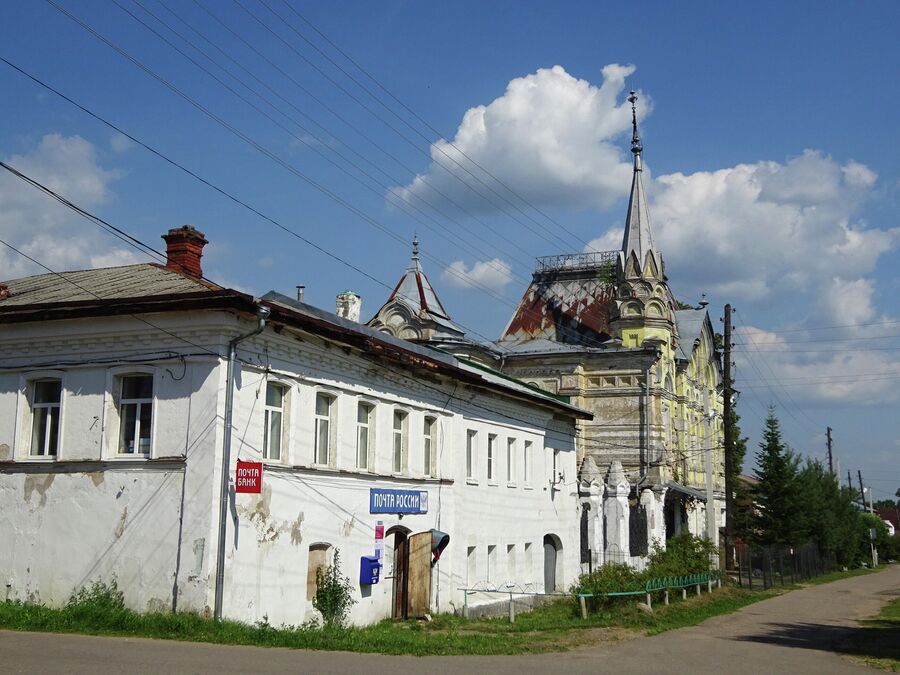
(184,248)
(4,291)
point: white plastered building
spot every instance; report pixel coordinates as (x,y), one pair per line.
(112,405)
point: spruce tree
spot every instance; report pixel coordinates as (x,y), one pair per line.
(778,514)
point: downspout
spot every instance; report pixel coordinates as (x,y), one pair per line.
(262,314)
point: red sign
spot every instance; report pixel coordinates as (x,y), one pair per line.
(248,477)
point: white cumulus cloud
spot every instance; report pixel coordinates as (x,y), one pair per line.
(549,138)
(44,229)
(494,274)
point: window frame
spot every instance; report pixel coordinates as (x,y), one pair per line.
(492,459)
(330,436)
(112,419)
(25,415)
(527,461)
(429,446)
(284,431)
(511,449)
(369,426)
(471,455)
(403,432)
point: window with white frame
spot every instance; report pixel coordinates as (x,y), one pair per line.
(428,446)
(273,427)
(399,437)
(526,462)
(471,452)
(46,403)
(365,418)
(324,407)
(471,566)
(491,457)
(511,460)
(135,414)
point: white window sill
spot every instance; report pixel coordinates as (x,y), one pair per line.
(123,457)
(471,481)
(492,483)
(37,458)
(528,487)
(511,485)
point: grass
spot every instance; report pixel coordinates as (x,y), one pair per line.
(553,627)
(877,642)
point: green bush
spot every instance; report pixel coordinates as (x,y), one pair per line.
(99,596)
(610,578)
(684,554)
(334,593)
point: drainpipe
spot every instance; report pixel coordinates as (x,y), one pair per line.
(262,314)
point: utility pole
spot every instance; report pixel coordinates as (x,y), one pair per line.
(727,395)
(830,463)
(862,492)
(849,481)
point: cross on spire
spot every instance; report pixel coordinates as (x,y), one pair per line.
(636,146)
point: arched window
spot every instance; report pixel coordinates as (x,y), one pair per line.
(319,556)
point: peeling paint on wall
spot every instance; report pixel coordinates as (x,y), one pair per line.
(96,477)
(39,484)
(296,536)
(199,549)
(120,528)
(4,452)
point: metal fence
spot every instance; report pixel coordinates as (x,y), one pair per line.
(764,567)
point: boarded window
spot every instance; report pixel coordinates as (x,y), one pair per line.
(318,556)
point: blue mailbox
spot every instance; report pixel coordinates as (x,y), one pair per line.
(369,570)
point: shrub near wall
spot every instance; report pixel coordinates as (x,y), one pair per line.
(683,555)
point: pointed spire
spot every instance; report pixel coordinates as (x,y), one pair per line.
(415,254)
(638,239)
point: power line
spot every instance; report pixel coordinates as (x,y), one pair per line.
(402,120)
(274,157)
(419,118)
(316,146)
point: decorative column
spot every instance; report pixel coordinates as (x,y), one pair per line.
(616,514)
(590,500)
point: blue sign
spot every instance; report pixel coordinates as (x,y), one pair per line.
(398,501)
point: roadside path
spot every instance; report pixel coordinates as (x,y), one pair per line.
(793,633)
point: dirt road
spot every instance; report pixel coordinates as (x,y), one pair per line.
(794,633)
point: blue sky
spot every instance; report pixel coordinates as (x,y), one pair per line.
(769,133)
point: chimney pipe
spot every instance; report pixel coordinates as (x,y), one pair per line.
(184,248)
(300,290)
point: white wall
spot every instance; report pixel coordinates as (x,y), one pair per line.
(152,523)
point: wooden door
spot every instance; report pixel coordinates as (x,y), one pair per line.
(419,586)
(401,574)
(549,564)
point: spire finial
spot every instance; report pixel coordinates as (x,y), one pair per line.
(636,146)
(415,246)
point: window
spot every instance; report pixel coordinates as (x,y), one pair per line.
(511,460)
(45,407)
(471,567)
(428,446)
(491,563)
(135,414)
(526,462)
(491,456)
(276,395)
(511,563)
(471,452)
(528,577)
(323,428)
(365,413)
(319,555)
(400,418)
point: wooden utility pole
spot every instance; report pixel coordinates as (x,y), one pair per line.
(849,480)
(862,492)
(727,396)
(830,463)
